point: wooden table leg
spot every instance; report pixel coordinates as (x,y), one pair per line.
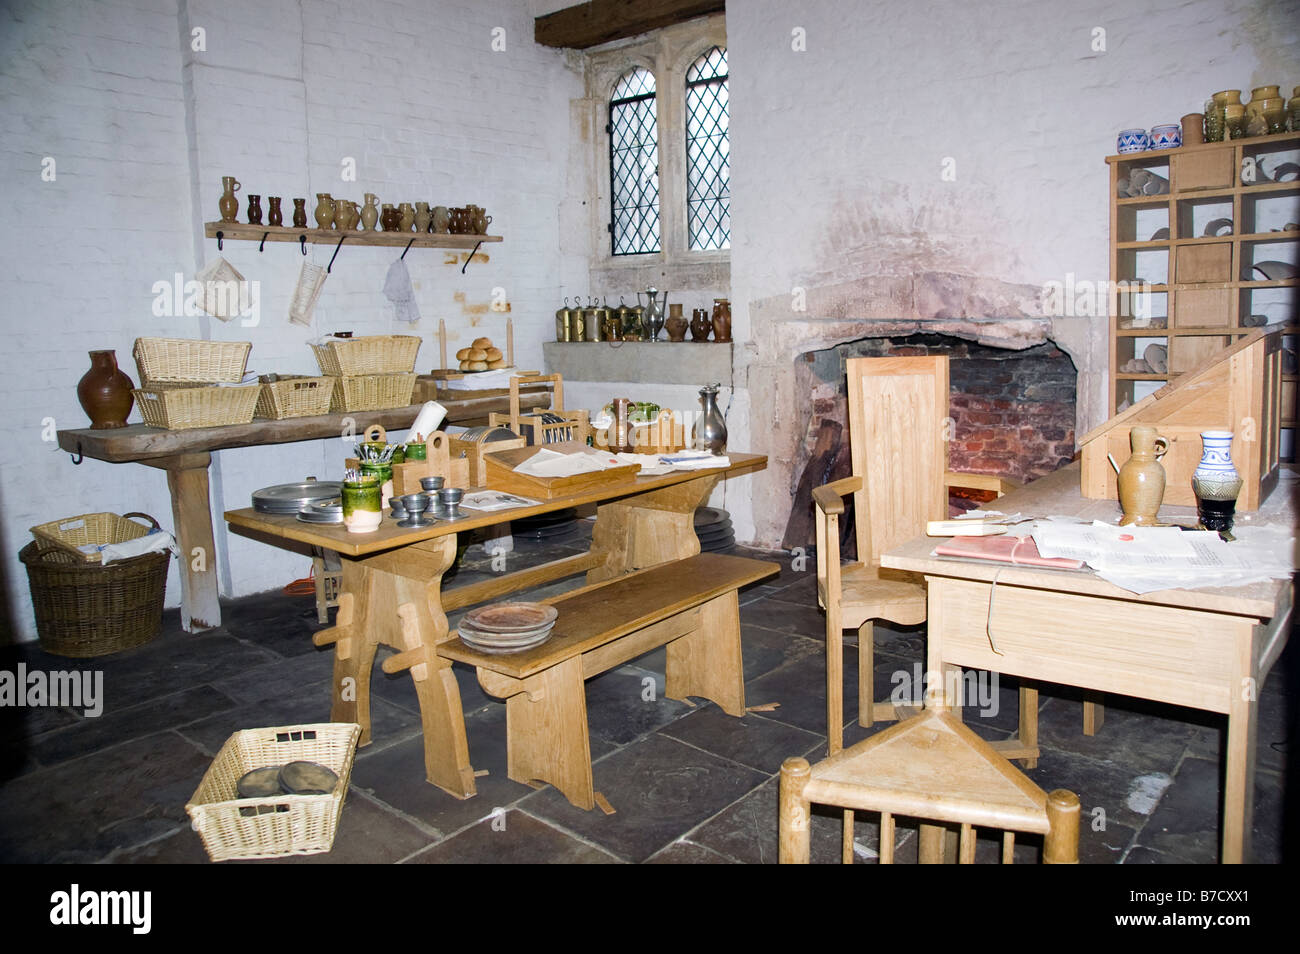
(187,480)
(1239,771)
(648,529)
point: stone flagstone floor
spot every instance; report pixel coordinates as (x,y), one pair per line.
(689,784)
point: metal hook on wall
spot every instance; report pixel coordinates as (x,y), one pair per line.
(262,247)
(220,235)
(330,267)
(302,241)
(78,457)
(471,255)
(408,247)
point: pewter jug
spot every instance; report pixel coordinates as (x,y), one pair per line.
(652,319)
(710,431)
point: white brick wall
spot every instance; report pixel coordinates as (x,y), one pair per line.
(142,129)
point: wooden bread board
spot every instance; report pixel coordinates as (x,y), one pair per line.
(501,475)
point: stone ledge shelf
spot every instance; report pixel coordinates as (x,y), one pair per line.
(640,362)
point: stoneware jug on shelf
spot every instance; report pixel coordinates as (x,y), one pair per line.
(105,392)
(710,431)
(652,319)
(1142,478)
(1216,482)
(228,204)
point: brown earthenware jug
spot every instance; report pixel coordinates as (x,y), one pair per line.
(721,319)
(1142,478)
(273,215)
(228,204)
(299,213)
(700,325)
(254,210)
(676,325)
(105,392)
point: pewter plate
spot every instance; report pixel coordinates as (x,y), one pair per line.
(307,778)
(290,498)
(259,783)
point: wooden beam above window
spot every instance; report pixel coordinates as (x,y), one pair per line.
(600,21)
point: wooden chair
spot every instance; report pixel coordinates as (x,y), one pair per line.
(898,433)
(935,768)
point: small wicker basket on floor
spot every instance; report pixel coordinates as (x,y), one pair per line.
(233,827)
(85,610)
(99,529)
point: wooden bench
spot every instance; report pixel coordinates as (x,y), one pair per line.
(690,605)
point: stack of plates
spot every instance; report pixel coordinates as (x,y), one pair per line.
(713,527)
(508,627)
(554,527)
(291,498)
(322,511)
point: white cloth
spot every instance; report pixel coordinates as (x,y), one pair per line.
(397,287)
(155,540)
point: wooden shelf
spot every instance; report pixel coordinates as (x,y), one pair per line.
(243,232)
(1276,139)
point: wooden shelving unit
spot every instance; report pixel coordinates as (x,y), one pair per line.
(1196,282)
(242,231)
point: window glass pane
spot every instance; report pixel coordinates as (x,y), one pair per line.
(708,165)
(634,165)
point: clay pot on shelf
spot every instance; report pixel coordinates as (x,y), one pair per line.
(254,210)
(700,325)
(105,392)
(389,217)
(299,213)
(324,210)
(344,215)
(441,219)
(274,216)
(676,325)
(422,217)
(228,204)
(370,212)
(406,217)
(721,320)
(1142,478)
(1216,482)
(1193,129)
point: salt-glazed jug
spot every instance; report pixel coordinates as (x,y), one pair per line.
(1142,478)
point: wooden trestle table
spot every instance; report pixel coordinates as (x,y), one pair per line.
(1208,648)
(185,455)
(391,590)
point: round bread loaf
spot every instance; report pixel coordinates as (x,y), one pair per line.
(493,354)
(463,354)
(464,365)
(477,354)
(478,366)
(498,363)
(482,343)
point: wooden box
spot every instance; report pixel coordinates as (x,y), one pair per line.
(440,463)
(472,452)
(500,470)
(1203,308)
(1202,169)
(1237,390)
(1204,263)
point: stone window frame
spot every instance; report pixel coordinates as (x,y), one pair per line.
(667,53)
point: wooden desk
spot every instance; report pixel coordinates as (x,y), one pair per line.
(186,455)
(391,591)
(1207,648)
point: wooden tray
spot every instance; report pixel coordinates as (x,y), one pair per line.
(499,467)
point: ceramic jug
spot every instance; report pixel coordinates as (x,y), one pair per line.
(1142,478)
(441,219)
(700,325)
(481,221)
(299,213)
(254,210)
(370,214)
(721,320)
(422,216)
(105,392)
(676,325)
(228,204)
(324,210)
(343,212)
(274,216)
(389,217)
(710,431)
(1216,482)
(406,220)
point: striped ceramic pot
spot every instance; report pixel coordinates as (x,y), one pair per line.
(1132,140)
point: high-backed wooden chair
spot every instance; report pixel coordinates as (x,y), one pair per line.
(898,433)
(933,768)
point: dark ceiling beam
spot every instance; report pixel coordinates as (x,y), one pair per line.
(600,21)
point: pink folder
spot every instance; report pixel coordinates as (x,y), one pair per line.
(1021,551)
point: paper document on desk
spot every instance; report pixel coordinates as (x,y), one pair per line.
(549,463)
(653,464)
(494,500)
(1146,559)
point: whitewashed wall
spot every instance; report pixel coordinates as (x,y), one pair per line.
(142,128)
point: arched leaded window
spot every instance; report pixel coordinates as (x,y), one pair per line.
(634,164)
(708,153)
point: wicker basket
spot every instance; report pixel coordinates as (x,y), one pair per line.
(86,610)
(294,395)
(372,392)
(190,361)
(90,529)
(233,827)
(371,354)
(181,406)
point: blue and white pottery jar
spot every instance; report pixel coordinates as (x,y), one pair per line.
(1216,482)
(1132,140)
(1166,137)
